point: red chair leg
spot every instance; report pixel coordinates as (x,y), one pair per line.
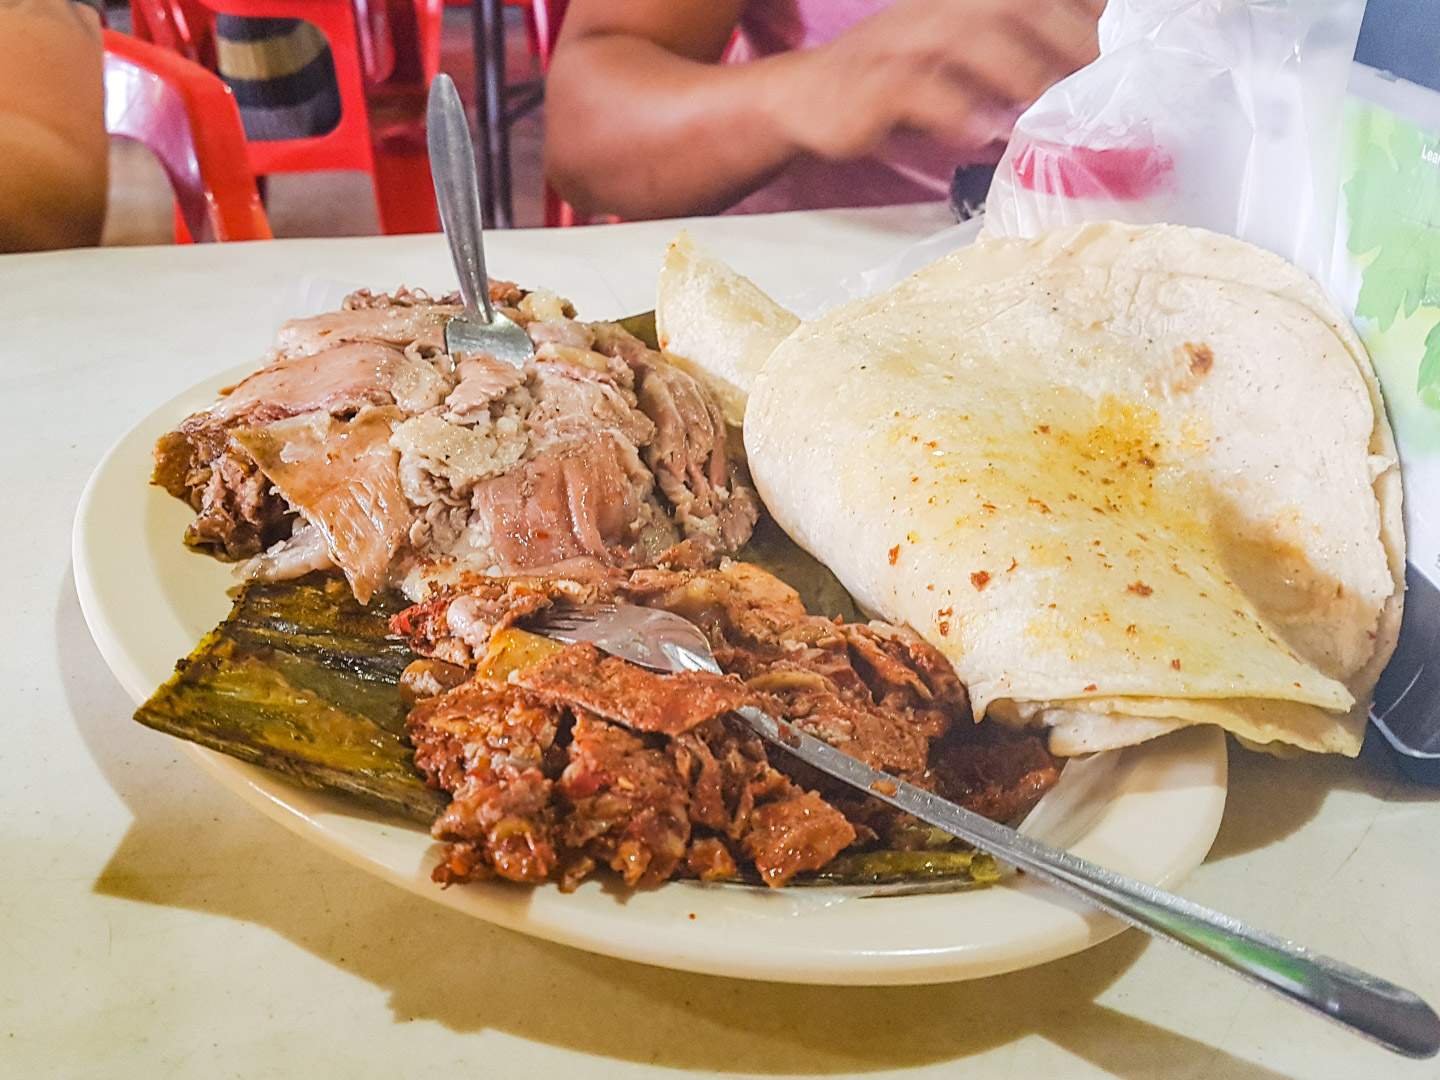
(404,192)
(555,208)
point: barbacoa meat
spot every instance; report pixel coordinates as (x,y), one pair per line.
(573,759)
(579,676)
(598,454)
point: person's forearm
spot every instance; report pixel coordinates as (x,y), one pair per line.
(52,192)
(54,153)
(640,132)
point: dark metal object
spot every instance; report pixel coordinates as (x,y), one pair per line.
(497,106)
(452,165)
(1406,707)
(488,34)
(968,188)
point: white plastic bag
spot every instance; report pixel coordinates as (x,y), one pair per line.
(1218,113)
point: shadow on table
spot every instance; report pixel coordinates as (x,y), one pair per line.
(1270,798)
(193,846)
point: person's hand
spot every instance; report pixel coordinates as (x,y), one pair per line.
(958,70)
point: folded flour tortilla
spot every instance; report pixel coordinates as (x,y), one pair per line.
(716,324)
(1126,478)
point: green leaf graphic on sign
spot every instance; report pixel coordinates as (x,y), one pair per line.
(1427,384)
(1393,197)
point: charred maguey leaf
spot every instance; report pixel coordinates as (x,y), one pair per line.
(303,680)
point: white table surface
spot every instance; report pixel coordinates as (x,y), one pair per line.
(152,925)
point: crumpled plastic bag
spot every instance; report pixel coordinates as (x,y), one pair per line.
(1218,113)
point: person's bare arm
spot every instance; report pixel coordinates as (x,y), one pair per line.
(643,121)
(53,149)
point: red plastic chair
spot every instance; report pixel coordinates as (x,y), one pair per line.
(382,127)
(545,19)
(188,120)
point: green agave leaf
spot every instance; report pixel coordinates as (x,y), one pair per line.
(302,680)
(907,867)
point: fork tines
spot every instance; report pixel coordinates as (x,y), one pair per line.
(567,618)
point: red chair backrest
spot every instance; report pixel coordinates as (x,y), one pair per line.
(547,16)
(182,26)
(385,52)
(188,119)
(348,145)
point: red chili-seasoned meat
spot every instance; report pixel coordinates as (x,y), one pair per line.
(627,802)
(457,625)
(800,833)
(487,745)
(579,676)
(549,792)
(727,773)
(710,860)
(1000,773)
(660,778)
(735,602)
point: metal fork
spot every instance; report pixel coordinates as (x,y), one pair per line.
(1379,1010)
(457,193)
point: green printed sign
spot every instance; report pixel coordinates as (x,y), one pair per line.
(1392,201)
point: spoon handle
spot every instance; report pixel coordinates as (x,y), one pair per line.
(457,193)
(1388,1014)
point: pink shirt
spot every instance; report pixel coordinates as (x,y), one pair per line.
(907,168)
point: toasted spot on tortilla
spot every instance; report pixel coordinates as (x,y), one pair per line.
(1202,359)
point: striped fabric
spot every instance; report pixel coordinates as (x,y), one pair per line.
(282,75)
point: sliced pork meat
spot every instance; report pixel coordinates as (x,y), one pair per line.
(661,779)
(408,318)
(573,399)
(339,380)
(238,512)
(303,551)
(444,461)
(588,501)
(480,381)
(421,326)
(690,458)
(597,453)
(343,476)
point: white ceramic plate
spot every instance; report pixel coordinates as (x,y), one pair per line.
(1150,812)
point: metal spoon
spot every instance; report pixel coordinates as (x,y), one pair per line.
(1370,1006)
(457,193)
